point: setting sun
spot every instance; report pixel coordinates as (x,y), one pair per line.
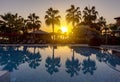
(64,29)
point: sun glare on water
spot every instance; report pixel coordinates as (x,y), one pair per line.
(64,29)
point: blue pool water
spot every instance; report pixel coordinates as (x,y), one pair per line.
(59,64)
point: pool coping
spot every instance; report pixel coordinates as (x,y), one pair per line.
(4,76)
(113,47)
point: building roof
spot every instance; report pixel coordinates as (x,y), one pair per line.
(117,18)
(39,32)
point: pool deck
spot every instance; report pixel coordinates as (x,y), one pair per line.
(113,47)
(4,76)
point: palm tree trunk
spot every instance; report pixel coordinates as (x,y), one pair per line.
(53,53)
(53,31)
(34,49)
(53,27)
(73,23)
(73,53)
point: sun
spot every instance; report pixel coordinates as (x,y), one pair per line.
(64,29)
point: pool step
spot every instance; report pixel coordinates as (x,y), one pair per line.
(4,76)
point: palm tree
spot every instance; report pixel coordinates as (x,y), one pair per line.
(12,22)
(101,23)
(21,22)
(2,26)
(7,20)
(52,18)
(33,22)
(90,15)
(73,15)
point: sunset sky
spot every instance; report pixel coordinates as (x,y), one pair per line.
(106,8)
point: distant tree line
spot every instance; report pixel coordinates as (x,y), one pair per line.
(14,23)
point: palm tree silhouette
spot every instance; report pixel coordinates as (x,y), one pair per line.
(52,64)
(7,19)
(73,15)
(11,22)
(52,17)
(90,15)
(73,66)
(23,24)
(101,23)
(33,22)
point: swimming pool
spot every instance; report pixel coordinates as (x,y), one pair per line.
(59,64)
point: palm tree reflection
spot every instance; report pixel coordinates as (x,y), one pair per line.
(89,66)
(73,66)
(111,60)
(34,60)
(11,58)
(52,63)
(102,56)
(85,51)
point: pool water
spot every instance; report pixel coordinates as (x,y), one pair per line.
(59,64)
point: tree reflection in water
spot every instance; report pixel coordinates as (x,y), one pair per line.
(11,58)
(111,60)
(102,55)
(34,60)
(73,66)
(89,66)
(52,64)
